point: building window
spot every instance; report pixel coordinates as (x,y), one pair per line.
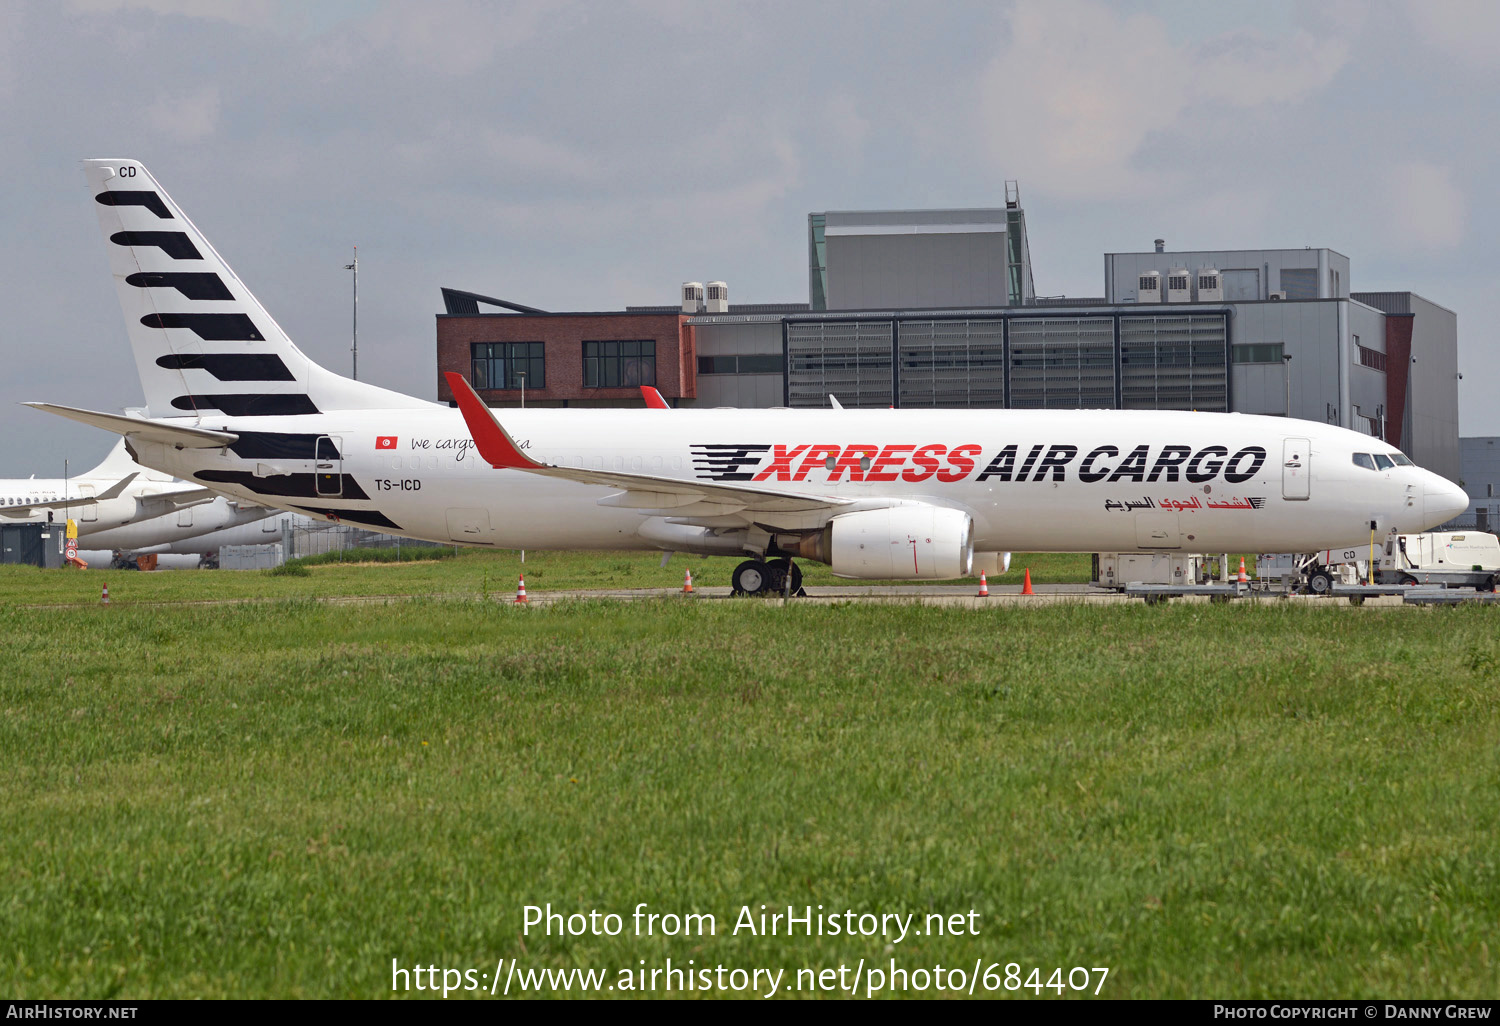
(771,363)
(619,364)
(504,365)
(1300,282)
(1372,358)
(1260,352)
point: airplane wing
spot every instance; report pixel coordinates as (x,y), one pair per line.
(114,490)
(683,501)
(22,509)
(181,498)
(181,435)
(653,398)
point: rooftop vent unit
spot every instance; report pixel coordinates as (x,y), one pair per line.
(1210,286)
(1179,286)
(1148,287)
(718,297)
(1161,245)
(692,297)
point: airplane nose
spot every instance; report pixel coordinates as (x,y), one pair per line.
(1444,500)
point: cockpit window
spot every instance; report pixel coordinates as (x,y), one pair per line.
(1383,462)
(1402,460)
(1363,459)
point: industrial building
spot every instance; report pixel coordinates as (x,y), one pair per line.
(937,308)
(1479,460)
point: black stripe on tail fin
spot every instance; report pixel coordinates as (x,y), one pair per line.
(268,404)
(136,198)
(193,284)
(231,366)
(176,245)
(218,327)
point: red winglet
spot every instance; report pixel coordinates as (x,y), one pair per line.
(653,398)
(494,444)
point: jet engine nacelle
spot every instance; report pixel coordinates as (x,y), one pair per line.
(907,543)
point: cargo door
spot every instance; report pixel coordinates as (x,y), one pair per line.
(90,511)
(1157,531)
(469,525)
(329,467)
(1296,468)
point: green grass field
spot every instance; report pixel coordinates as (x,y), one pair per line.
(473,573)
(278,798)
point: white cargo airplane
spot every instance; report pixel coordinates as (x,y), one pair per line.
(898,494)
(122,505)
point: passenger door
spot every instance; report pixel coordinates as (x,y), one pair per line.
(1296,468)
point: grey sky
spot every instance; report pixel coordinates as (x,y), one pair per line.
(590,155)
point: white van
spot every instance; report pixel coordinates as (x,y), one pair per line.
(1461,550)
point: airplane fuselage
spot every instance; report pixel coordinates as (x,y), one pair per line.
(1032,480)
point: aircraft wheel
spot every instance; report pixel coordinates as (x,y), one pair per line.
(751,578)
(779,568)
(1320,583)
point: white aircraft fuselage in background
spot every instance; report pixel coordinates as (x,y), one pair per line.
(122,505)
(234,405)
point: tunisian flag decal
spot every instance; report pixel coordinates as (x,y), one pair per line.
(385,441)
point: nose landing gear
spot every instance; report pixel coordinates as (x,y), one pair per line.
(767,578)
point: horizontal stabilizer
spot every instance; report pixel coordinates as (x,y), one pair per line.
(180,435)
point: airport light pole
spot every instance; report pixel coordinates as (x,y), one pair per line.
(522,376)
(354,349)
(1286,362)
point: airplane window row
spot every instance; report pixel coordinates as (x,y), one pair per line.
(1381,461)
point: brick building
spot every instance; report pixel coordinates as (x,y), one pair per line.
(564,359)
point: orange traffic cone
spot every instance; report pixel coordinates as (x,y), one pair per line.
(1026,588)
(521,598)
(687,583)
(104,598)
(984,586)
(1243,578)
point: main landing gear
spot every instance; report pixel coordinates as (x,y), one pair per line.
(767,577)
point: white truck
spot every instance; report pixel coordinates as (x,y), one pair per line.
(1450,559)
(1455,559)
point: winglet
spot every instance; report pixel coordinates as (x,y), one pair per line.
(493,442)
(653,398)
(833,401)
(114,490)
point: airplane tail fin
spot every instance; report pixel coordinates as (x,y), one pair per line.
(203,344)
(119,464)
